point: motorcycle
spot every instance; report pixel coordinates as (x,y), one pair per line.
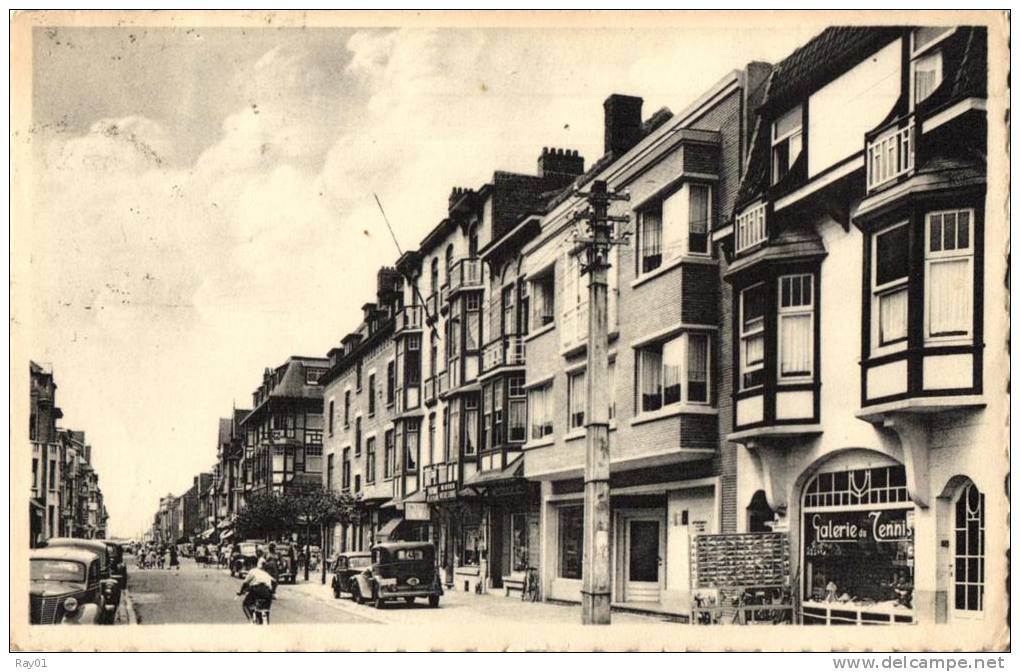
(258,612)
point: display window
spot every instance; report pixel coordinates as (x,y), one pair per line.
(519,542)
(858,547)
(571,541)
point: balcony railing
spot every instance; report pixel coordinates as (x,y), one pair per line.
(890,152)
(431,386)
(750,227)
(507,350)
(465,274)
(442,383)
(409,319)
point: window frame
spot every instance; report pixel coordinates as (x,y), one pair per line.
(795,311)
(572,377)
(917,51)
(543,311)
(746,334)
(642,213)
(777,140)
(547,414)
(689,187)
(949,256)
(879,348)
(915,61)
(684,363)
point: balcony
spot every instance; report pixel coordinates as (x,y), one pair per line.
(889,152)
(432,305)
(409,318)
(507,350)
(465,274)
(442,383)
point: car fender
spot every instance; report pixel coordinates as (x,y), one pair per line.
(364,585)
(87,614)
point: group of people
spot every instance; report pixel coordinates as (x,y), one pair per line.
(157,556)
(206,554)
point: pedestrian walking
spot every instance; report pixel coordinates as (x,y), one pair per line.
(174,560)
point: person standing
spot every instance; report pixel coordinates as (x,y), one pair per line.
(174,560)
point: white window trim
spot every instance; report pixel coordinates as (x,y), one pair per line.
(708,222)
(778,140)
(547,389)
(931,258)
(949,30)
(795,311)
(750,213)
(640,414)
(742,367)
(877,349)
(577,371)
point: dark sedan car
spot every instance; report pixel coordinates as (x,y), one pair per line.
(345,567)
(402,570)
(65,587)
(108,578)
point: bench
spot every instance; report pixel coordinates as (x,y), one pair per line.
(513,583)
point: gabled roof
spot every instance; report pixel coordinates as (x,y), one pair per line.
(224,432)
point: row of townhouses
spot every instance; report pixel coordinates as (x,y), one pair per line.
(66,499)
(804,335)
(800,334)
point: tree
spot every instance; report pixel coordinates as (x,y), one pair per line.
(318,507)
(266,516)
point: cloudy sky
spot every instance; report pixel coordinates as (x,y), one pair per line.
(202,198)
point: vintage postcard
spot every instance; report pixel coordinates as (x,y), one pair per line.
(559,331)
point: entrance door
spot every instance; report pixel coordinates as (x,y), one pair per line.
(967,598)
(643,559)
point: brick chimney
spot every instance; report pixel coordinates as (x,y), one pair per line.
(456,194)
(623,122)
(560,163)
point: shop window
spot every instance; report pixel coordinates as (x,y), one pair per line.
(796,326)
(471,545)
(370,460)
(576,394)
(543,291)
(571,541)
(666,369)
(470,425)
(519,542)
(858,547)
(752,336)
(787,142)
(541,412)
(889,285)
(949,269)
(517,429)
(969,550)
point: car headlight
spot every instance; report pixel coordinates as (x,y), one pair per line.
(71,605)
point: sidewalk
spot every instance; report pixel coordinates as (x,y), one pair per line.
(461,607)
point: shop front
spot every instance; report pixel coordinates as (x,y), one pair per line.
(858,547)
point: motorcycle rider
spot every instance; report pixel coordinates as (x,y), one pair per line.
(258,587)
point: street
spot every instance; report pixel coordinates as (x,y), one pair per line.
(199,594)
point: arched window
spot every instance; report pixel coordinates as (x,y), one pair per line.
(969,550)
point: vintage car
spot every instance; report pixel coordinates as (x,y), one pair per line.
(108,576)
(65,587)
(345,567)
(118,567)
(245,558)
(399,570)
(286,561)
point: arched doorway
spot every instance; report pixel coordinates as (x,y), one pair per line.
(857,542)
(967,571)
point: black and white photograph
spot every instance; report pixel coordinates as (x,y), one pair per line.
(509,331)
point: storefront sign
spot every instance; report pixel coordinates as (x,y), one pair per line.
(849,527)
(416,511)
(511,489)
(443,491)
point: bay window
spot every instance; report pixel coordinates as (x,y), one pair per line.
(949,270)
(787,142)
(541,412)
(517,425)
(649,239)
(576,395)
(669,368)
(889,285)
(676,225)
(796,326)
(925,76)
(752,336)
(699,215)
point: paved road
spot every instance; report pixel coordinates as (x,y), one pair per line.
(207,595)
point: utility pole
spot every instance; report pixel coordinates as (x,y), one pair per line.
(595,244)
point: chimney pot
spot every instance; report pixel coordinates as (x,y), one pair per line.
(622,122)
(561,165)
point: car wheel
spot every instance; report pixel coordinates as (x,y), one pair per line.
(336,592)
(380,603)
(356,595)
(433,601)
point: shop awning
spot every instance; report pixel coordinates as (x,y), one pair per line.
(415,497)
(492,477)
(387,531)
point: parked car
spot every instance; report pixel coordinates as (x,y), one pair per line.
(109,580)
(400,570)
(65,587)
(245,558)
(118,568)
(286,560)
(344,567)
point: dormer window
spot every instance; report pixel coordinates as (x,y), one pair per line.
(787,142)
(312,376)
(926,61)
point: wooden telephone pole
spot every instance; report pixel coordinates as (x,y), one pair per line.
(595,244)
